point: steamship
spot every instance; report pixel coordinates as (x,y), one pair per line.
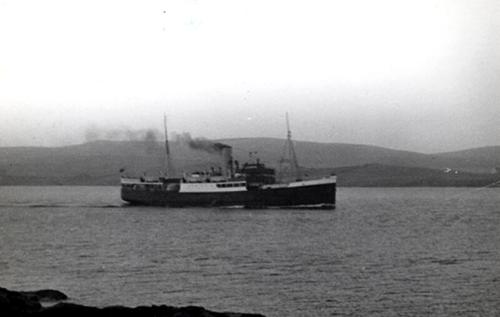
(251,185)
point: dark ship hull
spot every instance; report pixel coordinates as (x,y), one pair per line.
(310,193)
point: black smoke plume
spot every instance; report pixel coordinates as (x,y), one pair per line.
(150,137)
(201,144)
(95,133)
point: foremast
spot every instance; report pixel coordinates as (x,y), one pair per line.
(168,167)
(288,163)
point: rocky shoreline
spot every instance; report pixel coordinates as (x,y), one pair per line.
(21,304)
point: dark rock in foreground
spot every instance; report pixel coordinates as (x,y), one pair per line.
(20,304)
(45,295)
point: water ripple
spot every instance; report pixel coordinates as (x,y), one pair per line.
(382,252)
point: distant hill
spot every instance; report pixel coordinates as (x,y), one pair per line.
(479,159)
(372,175)
(318,155)
(98,163)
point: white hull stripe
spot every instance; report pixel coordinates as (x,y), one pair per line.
(226,187)
(209,188)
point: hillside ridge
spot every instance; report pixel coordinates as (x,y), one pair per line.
(98,162)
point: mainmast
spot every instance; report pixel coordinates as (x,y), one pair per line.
(168,166)
(289,157)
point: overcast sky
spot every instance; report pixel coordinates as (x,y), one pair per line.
(415,75)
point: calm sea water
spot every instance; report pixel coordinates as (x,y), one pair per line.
(382,252)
